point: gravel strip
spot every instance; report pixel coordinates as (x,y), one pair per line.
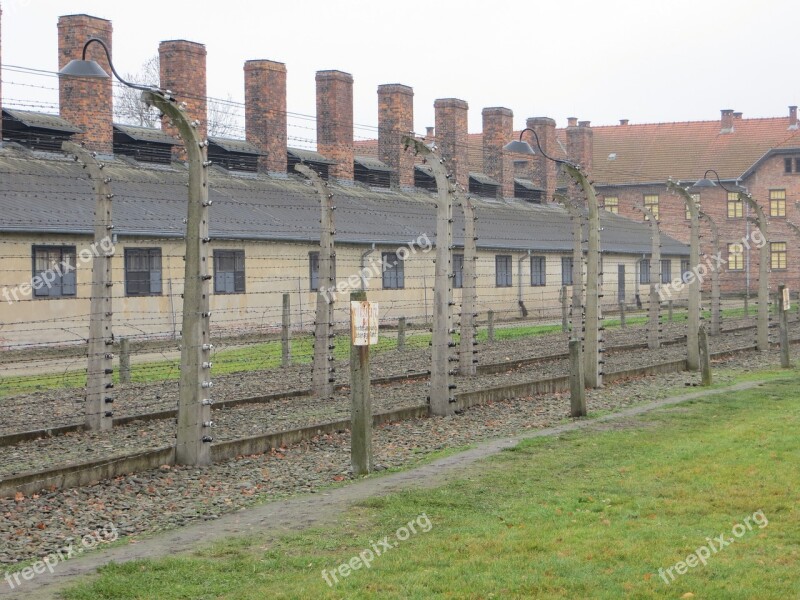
(169,497)
(50,408)
(289,413)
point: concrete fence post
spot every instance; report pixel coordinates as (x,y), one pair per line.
(401,334)
(124,360)
(99,373)
(577,389)
(622,315)
(783,323)
(705,356)
(286,325)
(490,325)
(360,403)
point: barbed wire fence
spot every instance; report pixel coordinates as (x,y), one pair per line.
(265,248)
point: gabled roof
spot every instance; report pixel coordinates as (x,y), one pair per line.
(652,153)
(42,120)
(146,134)
(40,195)
(233,145)
(683,151)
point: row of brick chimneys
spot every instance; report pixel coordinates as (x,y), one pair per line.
(87,103)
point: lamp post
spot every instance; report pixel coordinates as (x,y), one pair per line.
(442,403)
(693,318)
(593,373)
(193,445)
(762,337)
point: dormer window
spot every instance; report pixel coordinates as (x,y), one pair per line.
(315,160)
(424,178)
(527,190)
(37,131)
(371,171)
(144,144)
(233,155)
(483,185)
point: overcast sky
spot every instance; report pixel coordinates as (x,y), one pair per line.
(601,61)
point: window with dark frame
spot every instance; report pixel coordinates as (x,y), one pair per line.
(458,271)
(229,272)
(142,271)
(797,164)
(684,267)
(666,270)
(566,270)
(393,271)
(644,271)
(787,165)
(313,271)
(538,271)
(502,270)
(54,271)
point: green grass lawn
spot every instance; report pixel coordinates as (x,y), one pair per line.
(267,355)
(583,515)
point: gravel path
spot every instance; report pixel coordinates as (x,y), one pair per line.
(173,496)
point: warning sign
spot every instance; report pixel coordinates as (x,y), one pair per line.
(364,323)
(787,301)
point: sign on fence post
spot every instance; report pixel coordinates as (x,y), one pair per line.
(363,334)
(364,323)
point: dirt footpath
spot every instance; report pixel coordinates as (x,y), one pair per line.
(278,517)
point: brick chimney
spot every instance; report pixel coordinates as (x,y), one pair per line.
(265,112)
(430,133)
(335,121)
(183,72)
(793,117)
(726,122)
(498,130)
(451,137)
(580,142)
(86,102)
(396,118)
(544,170)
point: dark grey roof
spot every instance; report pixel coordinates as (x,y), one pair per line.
(42,120)
(41,195)
(372,164)
(484,179)
(232,145)
(310,156)
(146,134)
(528,185)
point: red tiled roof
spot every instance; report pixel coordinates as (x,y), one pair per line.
(683,151)
(657,151)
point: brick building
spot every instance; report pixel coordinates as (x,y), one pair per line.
(630,165)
